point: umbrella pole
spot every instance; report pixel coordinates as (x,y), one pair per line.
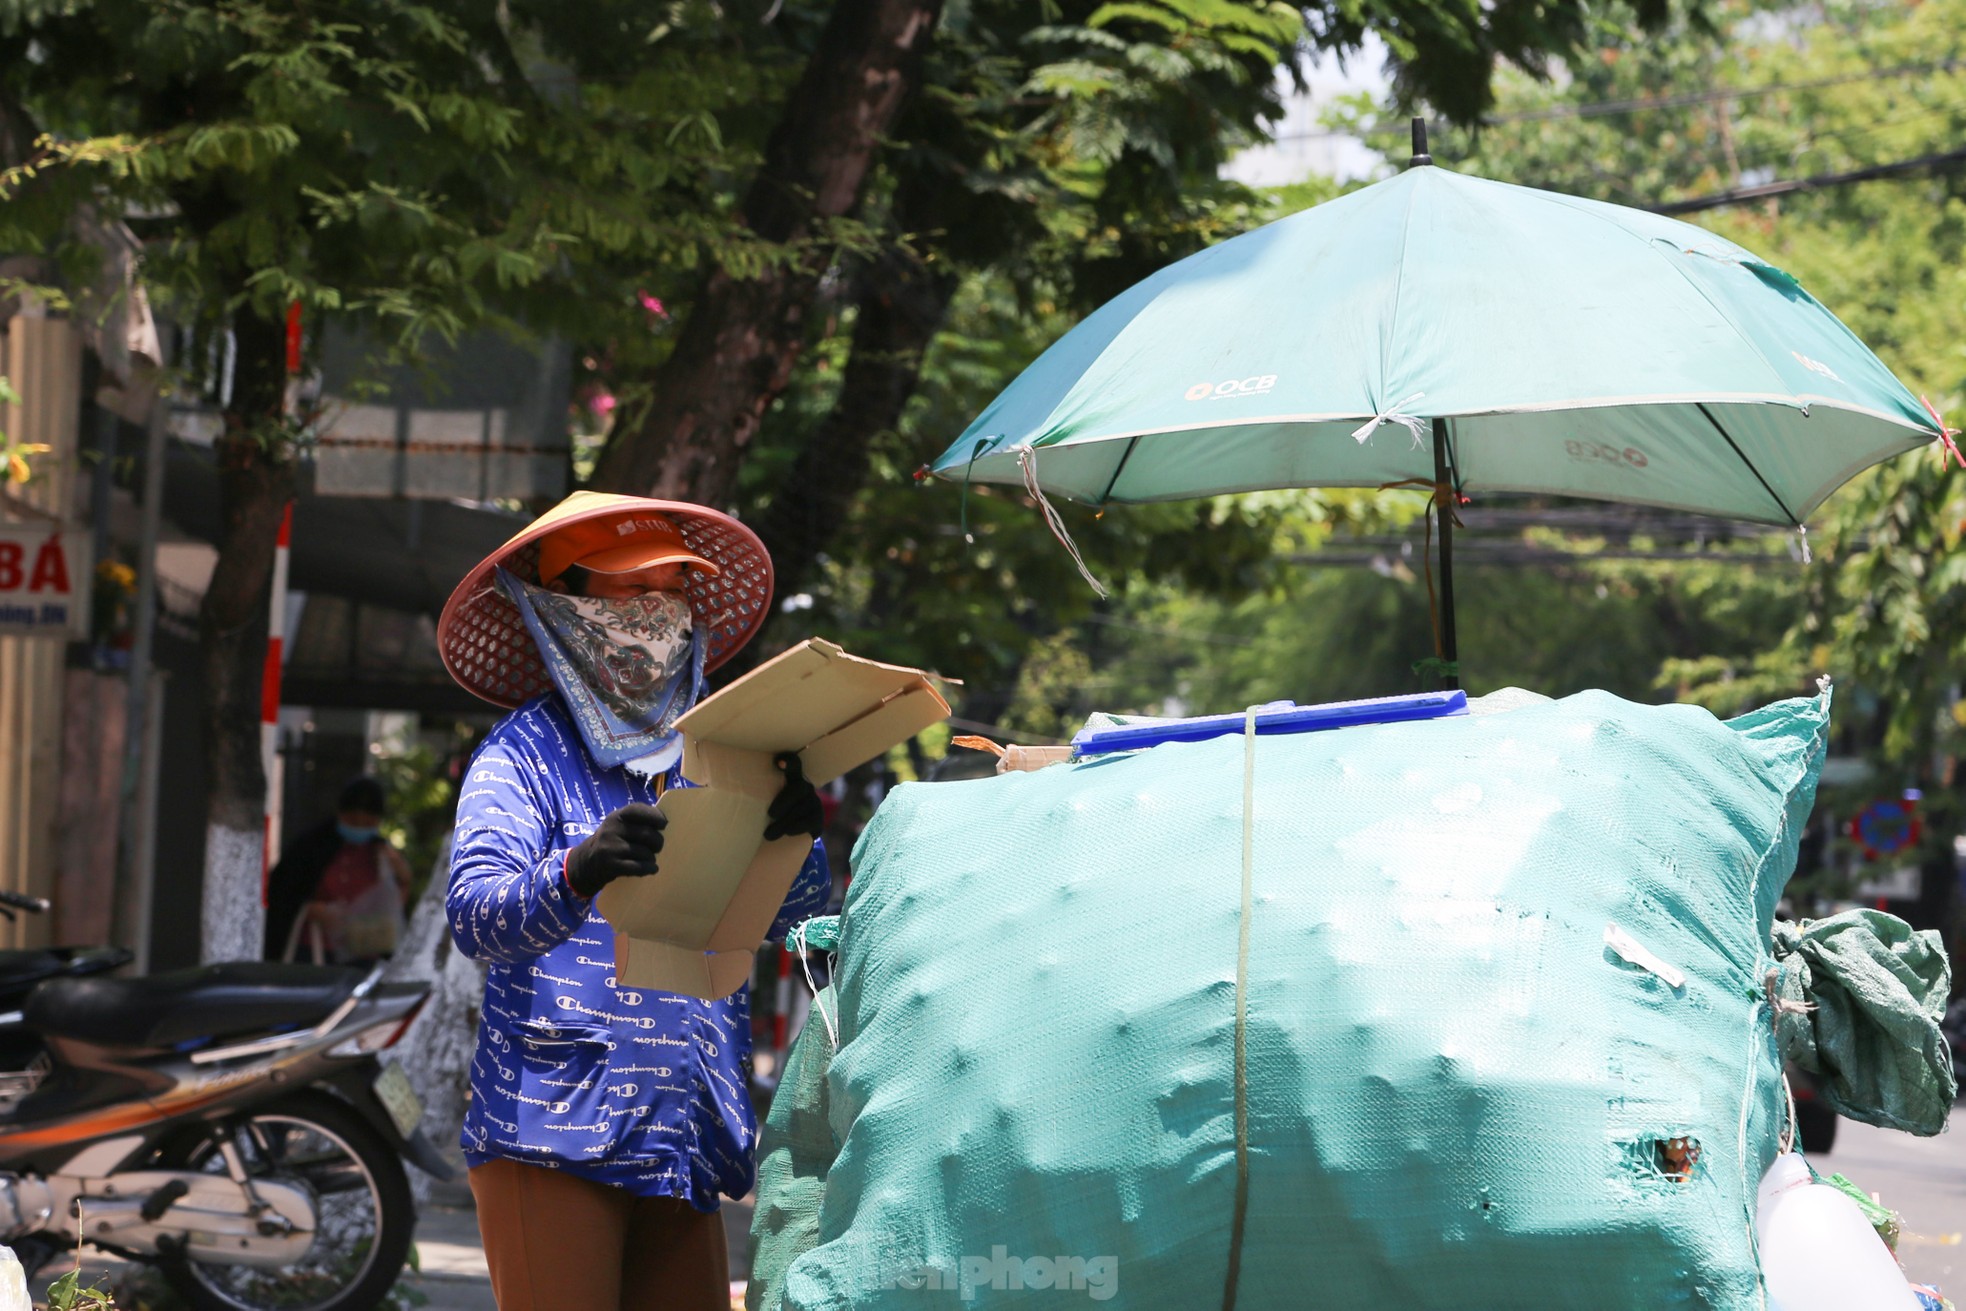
(1443,509)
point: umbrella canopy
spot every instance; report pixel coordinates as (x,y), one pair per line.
(1567,346)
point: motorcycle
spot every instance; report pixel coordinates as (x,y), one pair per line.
(233,1125)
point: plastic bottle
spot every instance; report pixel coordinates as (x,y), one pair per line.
(1818,1252)
(13,1283)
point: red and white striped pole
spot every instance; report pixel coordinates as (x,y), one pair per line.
(276,636)
(269,699)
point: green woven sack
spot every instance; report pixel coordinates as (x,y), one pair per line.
(1467,1013)
(795,1154)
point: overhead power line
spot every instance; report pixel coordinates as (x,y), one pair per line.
(1718,95)
(1943,161)
(1611,108)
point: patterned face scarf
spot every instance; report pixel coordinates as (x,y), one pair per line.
(628,668)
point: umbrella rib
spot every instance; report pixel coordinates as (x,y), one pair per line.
(1735,447)
(1399,292)
(1118,469)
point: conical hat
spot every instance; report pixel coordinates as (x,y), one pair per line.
(487,649)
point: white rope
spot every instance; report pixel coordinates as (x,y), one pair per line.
(1394,413)
(832,1030)
(1802,532)
(1027,460)
(795,941)
(1788,1125)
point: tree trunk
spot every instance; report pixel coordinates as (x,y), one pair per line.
(902,304)
(436,1052)
(743,335)
(256,478)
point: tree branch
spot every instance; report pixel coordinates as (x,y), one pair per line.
(902,303)
(743,336)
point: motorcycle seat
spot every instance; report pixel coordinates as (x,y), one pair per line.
(210,1001)
(20,970)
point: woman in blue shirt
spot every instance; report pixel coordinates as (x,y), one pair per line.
(604,1122)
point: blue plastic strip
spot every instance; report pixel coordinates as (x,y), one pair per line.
(1285,717)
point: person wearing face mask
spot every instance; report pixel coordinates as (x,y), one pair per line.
(338,895)
(605,1122)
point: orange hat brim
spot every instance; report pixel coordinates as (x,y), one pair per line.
(622,559)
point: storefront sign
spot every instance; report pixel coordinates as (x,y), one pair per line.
(45,581)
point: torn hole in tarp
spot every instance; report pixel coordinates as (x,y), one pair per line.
(1664,1158)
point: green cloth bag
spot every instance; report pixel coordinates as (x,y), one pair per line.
(1462,1013)
(1864,995)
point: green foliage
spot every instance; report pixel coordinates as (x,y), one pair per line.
(16,458)
(418,167)
(429,166)
(416,778)
(271,154)
(67,1294)
(1894,608)
(1443,53)
(1053,682)
(1324,633)
(1207,615)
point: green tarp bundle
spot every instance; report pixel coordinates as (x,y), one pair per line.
(1864,995)
(1464,1013)
(794,1156)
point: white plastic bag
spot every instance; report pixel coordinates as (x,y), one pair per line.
(13,1283)
(1818,1252)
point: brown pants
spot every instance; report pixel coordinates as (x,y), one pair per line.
(557,1243)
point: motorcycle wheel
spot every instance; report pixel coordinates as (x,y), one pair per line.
(364,1213)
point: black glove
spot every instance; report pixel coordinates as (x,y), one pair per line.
(796,808)
(624,846)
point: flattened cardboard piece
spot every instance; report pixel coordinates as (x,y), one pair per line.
(692,909)
(896,719)
(694,927)
(803,695)
(664,967)
(764,883)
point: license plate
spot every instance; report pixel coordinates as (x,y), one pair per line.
(392,1089)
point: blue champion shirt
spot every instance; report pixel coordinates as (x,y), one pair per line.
(646,1091)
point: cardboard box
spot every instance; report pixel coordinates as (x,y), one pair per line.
(695,926)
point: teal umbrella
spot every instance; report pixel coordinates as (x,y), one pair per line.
(1468,336)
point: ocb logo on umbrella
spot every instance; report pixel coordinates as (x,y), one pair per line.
(1216,391)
